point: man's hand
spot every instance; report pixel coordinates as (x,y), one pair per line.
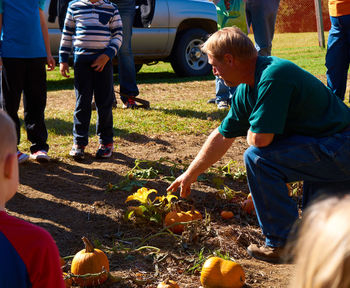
(51,63)
(64,69)
(184,181)
(100,62)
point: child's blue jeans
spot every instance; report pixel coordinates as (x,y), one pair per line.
(87,83)
(322,163)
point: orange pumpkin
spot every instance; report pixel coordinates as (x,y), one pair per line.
(62,262)
(226,214)
(220,273)
(248,205)
(67,280)
(90,261)
(195,215)
(168,284)
(175,216)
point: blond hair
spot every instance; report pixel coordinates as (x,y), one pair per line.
(8,138)
(229,40)
(323,246)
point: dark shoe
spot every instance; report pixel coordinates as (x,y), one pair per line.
(104,151)
(77,152)
(211,101)
(266,253)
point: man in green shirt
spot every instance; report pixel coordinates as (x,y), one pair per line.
(297,129)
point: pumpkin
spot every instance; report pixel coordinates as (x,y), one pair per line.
(90,261)
(168,284)
(62,262)
(175,216)
(220,273)
(248,205)
(67,280)
(226,214)
(195,215)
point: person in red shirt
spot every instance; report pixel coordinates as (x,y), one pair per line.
(29,255)
(338,47)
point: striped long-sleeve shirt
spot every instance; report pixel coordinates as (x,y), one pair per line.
(91,28)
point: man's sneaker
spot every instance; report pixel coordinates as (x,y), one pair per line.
(22,157)
(77,152)
(129,104)
(266,253)
(104,151)
(40,156)
(211,101)
(223,105)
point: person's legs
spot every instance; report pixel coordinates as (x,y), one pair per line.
(316,160)
(338,55)
(34,102)
(83,85)
(262,16)
(126,65)
(103,88)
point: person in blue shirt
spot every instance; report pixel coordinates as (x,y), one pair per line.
(25,51)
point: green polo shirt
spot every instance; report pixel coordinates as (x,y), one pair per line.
(285,100)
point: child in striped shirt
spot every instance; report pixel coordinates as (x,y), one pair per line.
(94,29)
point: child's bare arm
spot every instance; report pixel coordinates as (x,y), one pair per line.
(64,69)
(51,63)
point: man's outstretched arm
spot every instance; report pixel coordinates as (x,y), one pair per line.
(212,150)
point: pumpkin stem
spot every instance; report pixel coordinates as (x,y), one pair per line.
(89,248)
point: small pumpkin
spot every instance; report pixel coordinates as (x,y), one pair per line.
(62,262)
(226,214)
(221,273)
(175,216)
(90,261)
(168,284)
(195,215)
(248,205)
(68,281)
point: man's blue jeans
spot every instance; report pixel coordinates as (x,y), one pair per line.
(262,16)
(338,55)
(322,163)
(223,92)
(126,65)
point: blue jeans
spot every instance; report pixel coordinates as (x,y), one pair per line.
(126,65)
(323,163)
(223,92)
(338,55)
(262,16)
(87,83)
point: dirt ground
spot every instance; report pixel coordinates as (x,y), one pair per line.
(70,200)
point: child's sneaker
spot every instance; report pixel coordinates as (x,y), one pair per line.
(22,157)
(104,151)
(40,156)
(77,152)
(130,104)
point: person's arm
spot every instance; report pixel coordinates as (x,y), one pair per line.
(1,41)
(116,29)
(50,60)
(259,139)
(212,150)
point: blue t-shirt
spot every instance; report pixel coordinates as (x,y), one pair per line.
(21,30)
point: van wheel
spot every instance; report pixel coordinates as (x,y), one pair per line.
(187,59)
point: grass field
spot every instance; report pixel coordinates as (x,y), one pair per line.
(178,104)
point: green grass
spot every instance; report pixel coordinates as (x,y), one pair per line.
(178,104)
